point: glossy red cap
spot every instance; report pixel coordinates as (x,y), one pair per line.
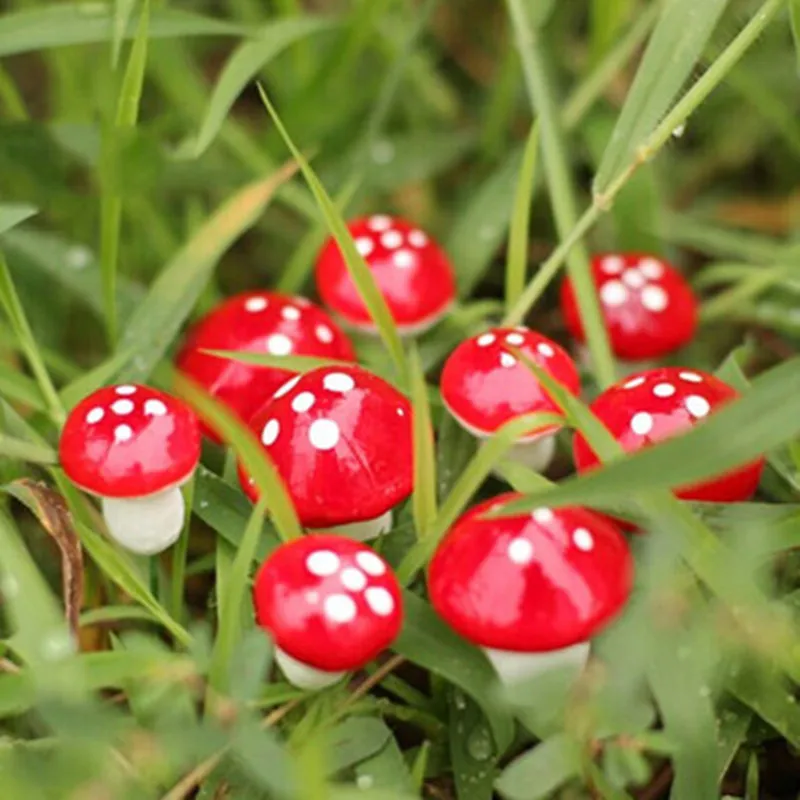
(530,583)
(340,437)
(257,322)
(660,403)
(484,386)
(129,441)
(648,306)
(330,602)
(411,270)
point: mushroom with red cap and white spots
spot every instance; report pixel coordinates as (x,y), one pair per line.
(484,386)
(340,438)
(649,309)
(531,590)
(133,447)
(257,322)
(411,271)
(330,605)
(657,404)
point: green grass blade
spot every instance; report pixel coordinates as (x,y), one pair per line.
(539,772)
(794,13)
(93,379)
(26,451)
(424,498)
(517,259)
(294,363)
(674,49)
(359,271)
(244,65)
(13,214)
(607,18)
(19,388)
(122,14)
(157,320)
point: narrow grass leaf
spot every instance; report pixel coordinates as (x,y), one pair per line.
(517,259)
(794,12)
(424,498)
(539,772)
(13,214)
(354,740)
(356,266)
(675,46)
(19,388)
(293,363)
(93,379)
(246,62)
(21,450)
(473,754)
(122,14)
(158,318)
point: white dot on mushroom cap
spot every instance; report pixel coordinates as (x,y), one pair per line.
(664,390)
(583,539)
(370,563)
(485,339)
(697,406)
(122,407)
(403,259)
(123,433)
(353,579)
(515,338)
(507,360)
(290,312)
(654,298)
(392,239)
(270,432)
(324,333)
(95,415)
(400,412)
(613,293)
(520,551)
(612,265)
(154,408)
(303,402)
(364,245)
(287,387)
(642,423)
(651,268)
(545,349)
(322,563)
(124,390)
(340,608)
(338,382)
(279,345)
(542,515)
(323,434)
(254,304)
(633,278)
(691,377)
(417,238)
(379,600)
(633,383)
(379,222)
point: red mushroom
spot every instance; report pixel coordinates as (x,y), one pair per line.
(340,437)
(484,386)
(649,309)
(532,589)
(330,605)
(411,270)
(658,404)
(257,322)
(133,446)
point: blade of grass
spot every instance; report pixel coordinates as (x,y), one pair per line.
(294,363)
(424,497)
(794,13)
(179,555)
(26,451)
(19,388)
(13,214)
(356,266)
(122,15)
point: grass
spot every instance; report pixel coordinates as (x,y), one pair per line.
(158,156)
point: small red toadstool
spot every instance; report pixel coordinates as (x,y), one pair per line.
(330,605)
(341,439)
(649,308)
(412,272)
(532,589)
(133,446)
(257,322)
(658,404)
(484,386)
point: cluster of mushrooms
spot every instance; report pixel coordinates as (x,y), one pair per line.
(531,590)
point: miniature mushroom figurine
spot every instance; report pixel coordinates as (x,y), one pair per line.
(257,322)
(412,272)
(649,309)
(532,589)
(133,447)
(340,437)
(484,386)
(657,404)
(330,605)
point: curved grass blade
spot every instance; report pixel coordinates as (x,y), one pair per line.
(794,12)
(122,14)
(424,498)
(293,363)
(21,450)
(13,214)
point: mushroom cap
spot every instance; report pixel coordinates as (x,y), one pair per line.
(648,307)
(129,441)
(530,583)
(257,322)
(483,386)
(660,403)
(341,439)
(330,602)
(412,272)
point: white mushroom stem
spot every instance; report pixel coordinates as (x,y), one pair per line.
(535,454)
(624,368)
(145,525)
(302,675)
(513,667)
(365,530)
